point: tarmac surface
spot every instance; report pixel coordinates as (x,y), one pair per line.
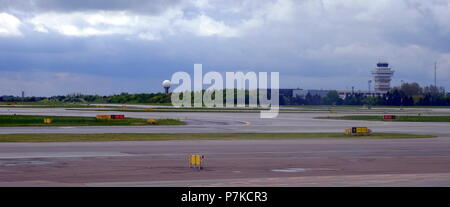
(306,162)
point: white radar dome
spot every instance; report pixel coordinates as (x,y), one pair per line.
(166,84)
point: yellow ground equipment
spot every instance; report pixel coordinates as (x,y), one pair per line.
(103,116)
(47,121)
(358,131)
(196,161)
(148,109)
(151,121)
(98,106)
(333,111)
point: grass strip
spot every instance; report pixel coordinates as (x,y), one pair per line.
(398,118)
(26,120)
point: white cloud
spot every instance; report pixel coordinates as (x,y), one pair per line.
(116,19)
(119,22)
(202,4)
(9,25)
(148,36)
(172,21)
(72,30)
(206,26)
(40,28)
(81,24)
(282,10)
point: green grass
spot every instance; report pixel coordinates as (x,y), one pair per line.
(55,104)
(428,107)
(169,122)
(179,110)
(25,120)
(399,118)
(192,136)
(44,105)
(360,106)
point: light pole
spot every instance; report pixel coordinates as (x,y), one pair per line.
(435,68)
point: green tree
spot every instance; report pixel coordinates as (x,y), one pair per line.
(411,89)
(332,98)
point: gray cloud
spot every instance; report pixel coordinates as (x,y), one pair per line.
(141,6)
(313,44)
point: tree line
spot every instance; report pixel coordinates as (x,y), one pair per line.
(82,98)
(408,94)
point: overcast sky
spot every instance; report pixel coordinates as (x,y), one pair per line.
(51,47)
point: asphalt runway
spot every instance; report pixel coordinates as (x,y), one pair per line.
(320,162)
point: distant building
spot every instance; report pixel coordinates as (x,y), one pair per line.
(382,76)
(345,93)
(301,93)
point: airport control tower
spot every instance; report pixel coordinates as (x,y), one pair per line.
(382,76)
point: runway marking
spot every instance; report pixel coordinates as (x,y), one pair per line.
(246,123)
(291,170)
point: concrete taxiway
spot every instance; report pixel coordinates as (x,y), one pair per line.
(308,162)
(228,163)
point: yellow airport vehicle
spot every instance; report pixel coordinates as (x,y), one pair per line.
(47,121)
(99,106)
(148,109)
(103,116)
(333,111)
(151,121)
(358,131)
(196,161)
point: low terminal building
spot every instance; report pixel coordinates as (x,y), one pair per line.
(345,93)
(313,92)
(302,93)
